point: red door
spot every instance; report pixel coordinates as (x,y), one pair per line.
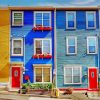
(16,76)
(93,78)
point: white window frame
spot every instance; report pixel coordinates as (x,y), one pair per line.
(42,17)
(42,66)
(42,44)
(68,12)
(13,12)
(67,38)
(72,67)
(13,47)
(96,39)
(89,12)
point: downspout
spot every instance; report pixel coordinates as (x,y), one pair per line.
(55,50)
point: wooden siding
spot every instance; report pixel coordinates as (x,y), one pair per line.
(81,58)
(4,45)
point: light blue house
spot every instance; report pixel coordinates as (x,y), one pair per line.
(77,49)
(32,45)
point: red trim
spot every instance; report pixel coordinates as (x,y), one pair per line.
(77,89)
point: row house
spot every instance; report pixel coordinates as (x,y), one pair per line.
(4,46)
(32,45)
(47,43)
(77,49)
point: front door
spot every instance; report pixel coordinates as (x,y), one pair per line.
(93,78)
(16,77)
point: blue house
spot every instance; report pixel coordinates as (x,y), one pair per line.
(32,45)
(77,49)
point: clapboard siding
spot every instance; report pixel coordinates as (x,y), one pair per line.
(81,58)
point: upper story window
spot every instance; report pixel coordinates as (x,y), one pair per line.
(70,20)
(17,47)
(90,20)
(72,74)
(92,45)
(42,19)
(17,18)
(42,46)
(71,44)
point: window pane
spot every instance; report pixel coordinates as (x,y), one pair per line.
(92,42)
(90,16)
(17,43)
(68,72)
(92,49)
(18,15)
(17,21)
(71,49)
(71,23)
(38,22)
(71,41)
(46,23)
(17,50)
(38,44)
(68,75)
(68,79)
(76,79)
(70,16)
(46,74)
(38,16)
(38,74)
(46,46)
(46,15)
(76,71)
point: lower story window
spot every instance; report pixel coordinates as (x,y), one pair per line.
(72,75)
(42,73)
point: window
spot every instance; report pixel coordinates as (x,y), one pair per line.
(17,47)
(42,19)
(71,44)
(42,73)
(72,75)
(42,46)
(92,45)
(90,20)
(70,20)
(17,18)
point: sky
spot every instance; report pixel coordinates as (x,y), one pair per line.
(55,3)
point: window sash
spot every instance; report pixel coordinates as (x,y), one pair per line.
(14,18)
(43,46)
(71,24)
(14,47)
(92,47)
(72,81)
(71,46)
(89,23)
(42,19)
(44,78)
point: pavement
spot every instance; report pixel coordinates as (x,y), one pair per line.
(15,96)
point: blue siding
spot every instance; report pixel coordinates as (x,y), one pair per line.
(81,58)
(28,36)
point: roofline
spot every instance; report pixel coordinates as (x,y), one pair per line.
(46,8)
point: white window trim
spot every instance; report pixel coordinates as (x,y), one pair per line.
(13,12)
(73,66)
(87,20)
(74,20)
(96,39)
(12,51)
(68,45)
(42,17)
(42,44)
(43,66)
